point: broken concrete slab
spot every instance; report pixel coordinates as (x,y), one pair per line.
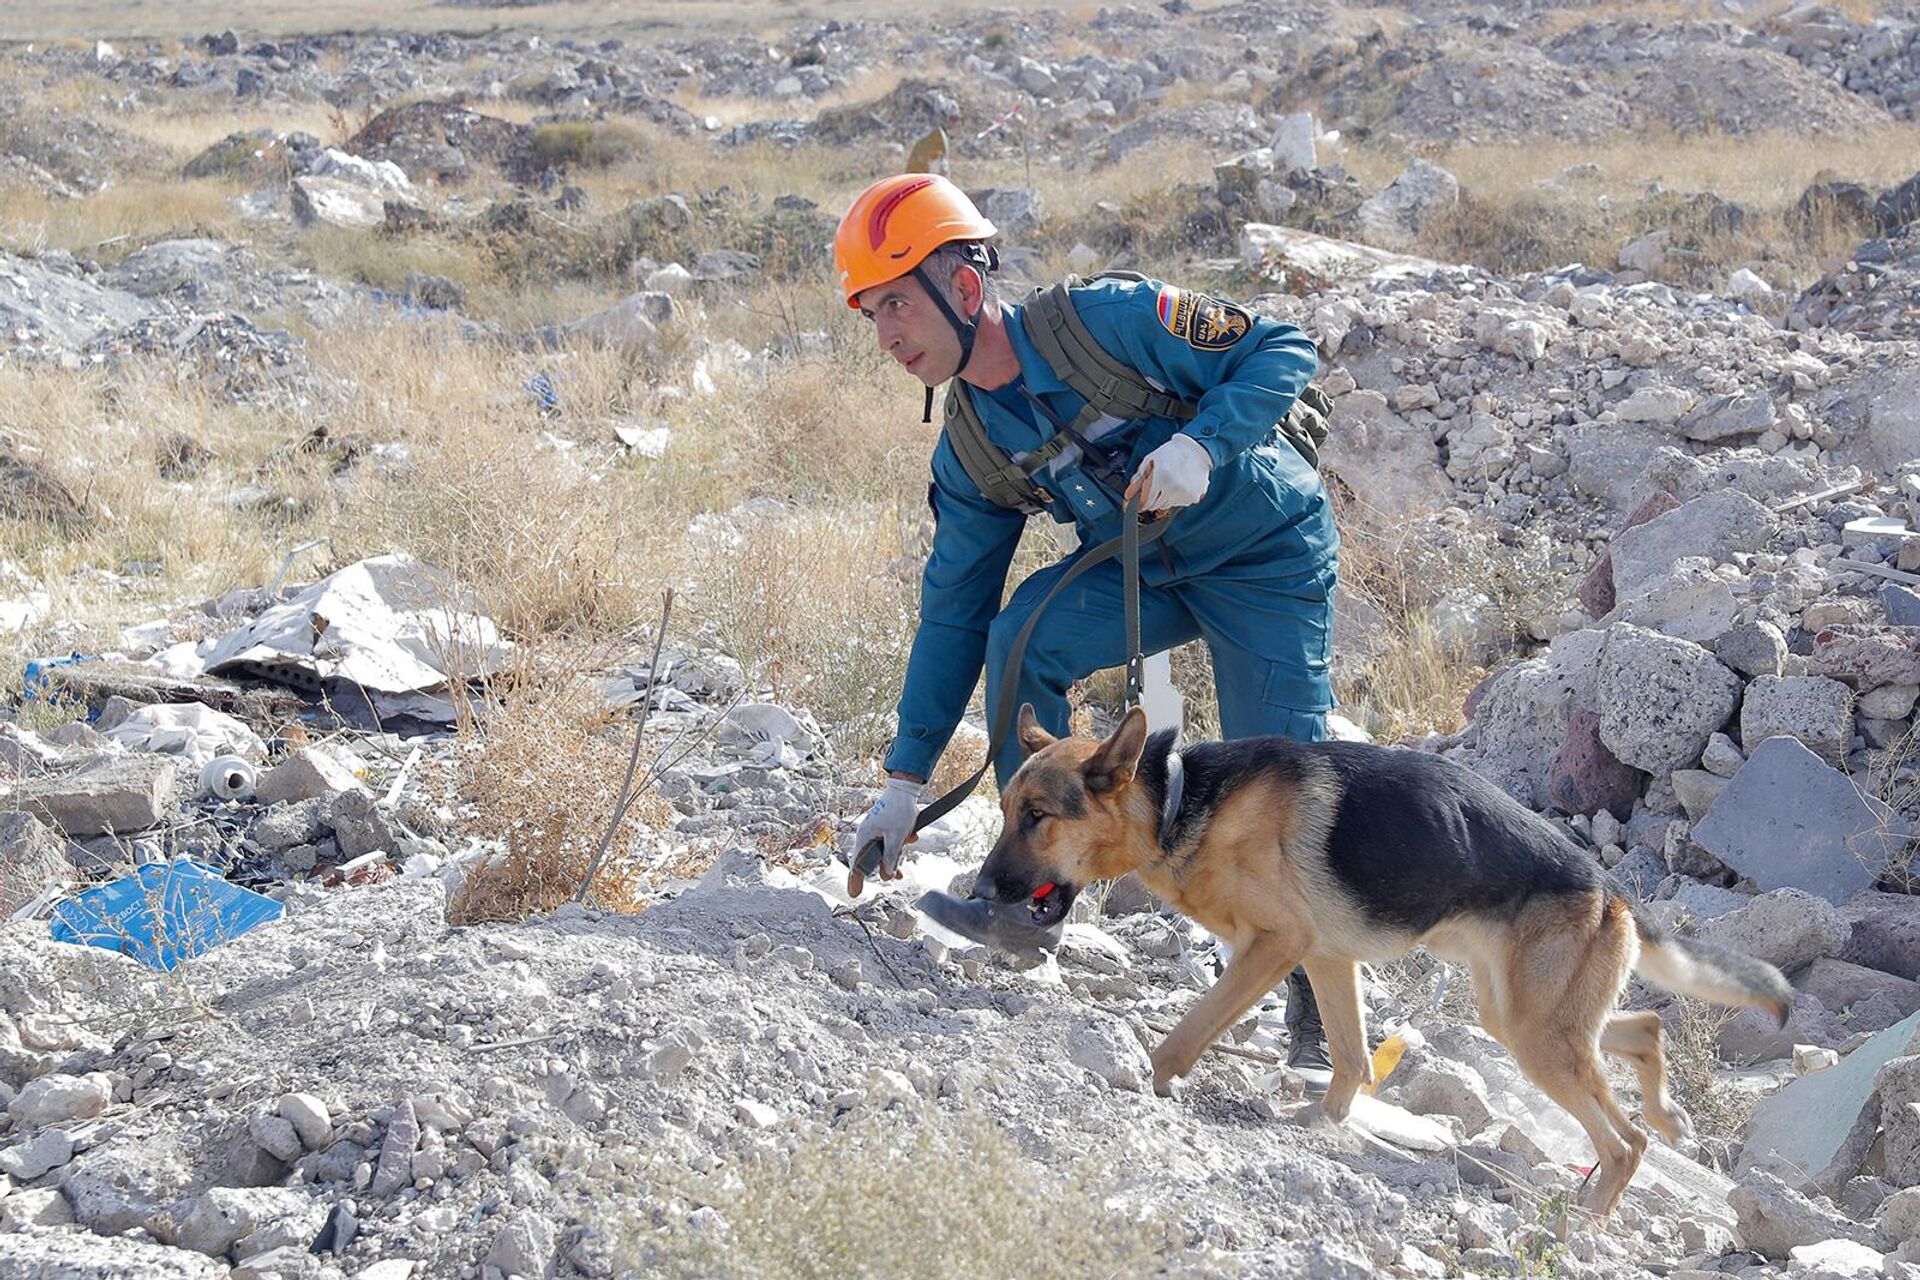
(112,793)
(1806,1124)
(1788,819)
(32,859)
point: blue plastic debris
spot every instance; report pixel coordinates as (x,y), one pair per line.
(163,913)
(37,668)
(544,390)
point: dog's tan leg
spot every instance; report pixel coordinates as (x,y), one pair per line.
(1637,1037)
(1566,962)
(1255,970)
(1569,1072)
(1336,988)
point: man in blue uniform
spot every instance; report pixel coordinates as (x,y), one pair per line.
(1247,564)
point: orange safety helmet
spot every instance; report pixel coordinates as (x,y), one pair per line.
(895,223)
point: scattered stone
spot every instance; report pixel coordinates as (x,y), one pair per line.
(525,1246)
(1774,1219)
(1715,525)
(225,1216)
(309,1118)
(1660,698)
(32,859)
(311,773)
(1110,1051)
(395,1169)
(57,1099)
(1754,649)
(1786,928)
(1814,710)
(1788,819)
(44,1152)
(1886,933)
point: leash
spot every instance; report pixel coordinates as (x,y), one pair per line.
(1134,534)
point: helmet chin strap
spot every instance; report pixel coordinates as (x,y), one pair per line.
(967,330)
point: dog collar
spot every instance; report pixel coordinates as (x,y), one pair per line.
(1176,791)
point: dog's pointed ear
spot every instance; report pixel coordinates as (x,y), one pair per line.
(1113,765)
(1032,737)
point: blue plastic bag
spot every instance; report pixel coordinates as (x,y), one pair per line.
(163,913)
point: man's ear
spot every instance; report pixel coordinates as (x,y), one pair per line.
(969,288)
(1032,737)
(1113,765)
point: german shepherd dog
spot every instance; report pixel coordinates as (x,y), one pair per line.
(1334,853)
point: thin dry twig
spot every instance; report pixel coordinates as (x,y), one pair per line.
(633,759)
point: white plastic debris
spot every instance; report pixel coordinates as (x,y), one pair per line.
(195,732)
(397,628)
(769,735)
(227,778)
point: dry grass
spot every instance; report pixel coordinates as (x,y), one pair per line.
(942,1186)
(122,217)
(1523,210)
(1720,1111)
(544,783)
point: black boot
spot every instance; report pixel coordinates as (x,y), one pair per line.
(1307,1051)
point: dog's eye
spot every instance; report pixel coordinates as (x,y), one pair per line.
(1034,815)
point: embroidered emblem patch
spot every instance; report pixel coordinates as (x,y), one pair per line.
(1206,324)
(1218,325)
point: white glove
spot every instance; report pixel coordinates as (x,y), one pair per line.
(1174,475)
(890,821)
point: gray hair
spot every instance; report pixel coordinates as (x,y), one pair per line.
(948,258)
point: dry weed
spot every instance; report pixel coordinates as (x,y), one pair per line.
(942,1186)
(1720,1111)
(544,783)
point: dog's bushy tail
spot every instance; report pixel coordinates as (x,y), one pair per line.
(1707,972)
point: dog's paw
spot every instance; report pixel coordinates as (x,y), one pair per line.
(1165,1084)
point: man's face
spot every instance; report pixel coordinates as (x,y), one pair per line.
(910,328)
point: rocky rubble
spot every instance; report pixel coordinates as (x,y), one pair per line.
(1695,507)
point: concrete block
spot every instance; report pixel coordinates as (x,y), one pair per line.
(113,793)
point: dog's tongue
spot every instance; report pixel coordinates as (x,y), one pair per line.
(1040,894)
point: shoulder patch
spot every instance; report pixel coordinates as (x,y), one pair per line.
(1218,325)
(1206,324)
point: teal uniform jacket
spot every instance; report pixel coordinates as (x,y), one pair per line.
(1250,567)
